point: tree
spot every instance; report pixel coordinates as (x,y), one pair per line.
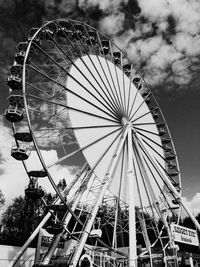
(13,222)
(24,214)
(2,199)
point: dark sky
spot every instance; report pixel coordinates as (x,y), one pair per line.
(182,114)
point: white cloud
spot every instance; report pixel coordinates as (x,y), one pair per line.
(106,5)
(125,38)
(12,172)
(175,37)
(193,204)
(164,32)
(155,76)
(149,46)
(186,14)
(133,53)
(164,56)
(187,43)
(162,26)
(154,9)
(112,24)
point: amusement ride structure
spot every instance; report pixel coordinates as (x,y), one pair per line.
(73,91)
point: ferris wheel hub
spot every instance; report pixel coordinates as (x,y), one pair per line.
(125,121)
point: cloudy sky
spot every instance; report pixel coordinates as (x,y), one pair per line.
(162,38)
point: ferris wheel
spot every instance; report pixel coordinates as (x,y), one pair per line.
(74,92)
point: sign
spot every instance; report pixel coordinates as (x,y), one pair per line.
(184,235)
(44,241)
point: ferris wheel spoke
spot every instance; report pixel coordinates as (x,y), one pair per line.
(38,111)
(90,72)
(167,173)
(79,83)
(91,127)
(38,89)
(61,112)
(121,173)
(53,134)
(70,91)
(144,124)
(114,87)
(112,98)
(106,93)
(115,96)
(128,97)
(147,156)
(144,130)
(82,149)
(155,150)
(155,179)
(52,115)
(91,114)
(61,52)
(104,154)
(137,181)
(140,117)
(119,89)
(66,38)
(76,110)
(72,46)
(111,92)
(111,101)
(162,192)
(57,103)
(150,200)
(75,94)
(157,167)
(117,221)
(133,103)
(142,103)
(141,173)
(150,146)
(103,188)
(173,181)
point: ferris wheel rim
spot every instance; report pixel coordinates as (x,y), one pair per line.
(106,116)
(27,55)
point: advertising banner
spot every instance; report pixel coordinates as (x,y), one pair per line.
(63,249)
(184,235)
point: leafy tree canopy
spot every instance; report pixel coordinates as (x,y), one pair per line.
(2,199)
(23,215)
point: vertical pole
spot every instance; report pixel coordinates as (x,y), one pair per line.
(114,241)
(153,197)
(145,234)
(191,260)
(132,223)
(105,183)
